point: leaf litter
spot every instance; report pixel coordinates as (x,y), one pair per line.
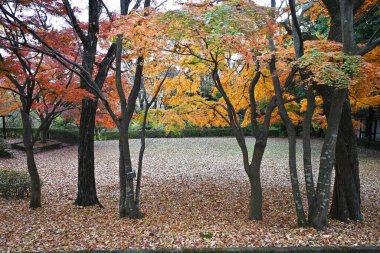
(194,194)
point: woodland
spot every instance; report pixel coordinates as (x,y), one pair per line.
(238,64)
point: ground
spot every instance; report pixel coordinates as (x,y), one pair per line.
(195,194)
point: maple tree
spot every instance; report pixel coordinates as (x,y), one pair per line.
(26,74)
(59,92)
(338,72)
(226,42)
(346,197)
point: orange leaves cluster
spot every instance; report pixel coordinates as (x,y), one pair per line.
(8,103)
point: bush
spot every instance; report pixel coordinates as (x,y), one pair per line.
(14,184)
(14,132)
(67,136)
(4,153)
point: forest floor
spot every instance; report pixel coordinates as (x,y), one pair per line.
(194,194)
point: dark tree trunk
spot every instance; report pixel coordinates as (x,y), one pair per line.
(86,195)
(129,207)
(141,155)
(256,200)
(122,181)
(346,195)
(35,196)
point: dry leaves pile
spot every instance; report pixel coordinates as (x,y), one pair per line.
(195,194)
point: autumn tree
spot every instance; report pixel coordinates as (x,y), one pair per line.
(23,74)
(59,93)
(227,42)
(336,72)
(346,197)
(91,70)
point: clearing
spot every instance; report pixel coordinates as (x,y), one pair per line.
(195,194)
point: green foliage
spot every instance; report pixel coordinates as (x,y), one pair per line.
(365,27)
(63,123)
(319,28)
(14,184)
(334,69)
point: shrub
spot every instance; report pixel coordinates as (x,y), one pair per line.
(14,184)
(4,153)
(68,136)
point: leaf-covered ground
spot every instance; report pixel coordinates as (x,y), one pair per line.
(195,194)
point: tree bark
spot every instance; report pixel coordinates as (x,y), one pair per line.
(86,195)
(256,200)
(44,135)
(127,205)
(141,156)
(308,169)
(35,196)
(290,129)
(321,200)
(346,193)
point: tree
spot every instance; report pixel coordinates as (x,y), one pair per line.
(225,41)
(24,74)
(337,72)
(346,196)
(58,92)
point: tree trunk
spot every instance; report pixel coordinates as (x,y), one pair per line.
(86,195)
(122,180)
(44,136)
(321,200)
(290,129)
(35,196)
(346,196)
(308,169)
(127,200)
(141,156)
(347,162)
(256,200)
(301,220)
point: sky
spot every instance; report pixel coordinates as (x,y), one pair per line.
(114,5)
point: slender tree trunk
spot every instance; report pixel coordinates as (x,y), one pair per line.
(131,209)
(141,157)
(308,169)
(35,197)
(301,219)
(327,160)
(86,195)
(127,205)
(122,180)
